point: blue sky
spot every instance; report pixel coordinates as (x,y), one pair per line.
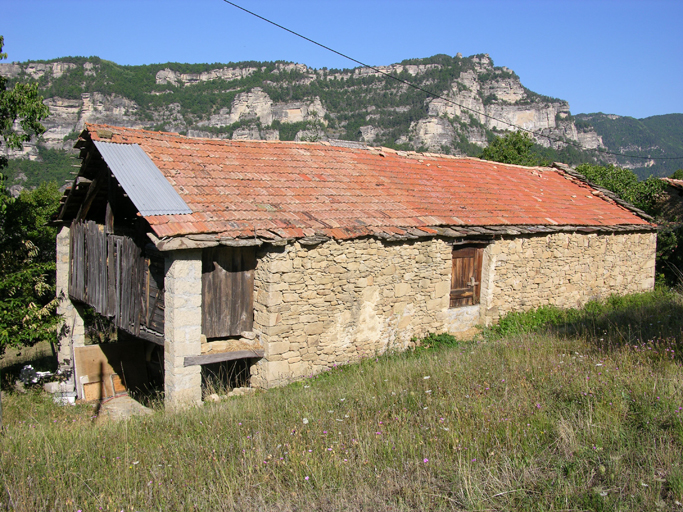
(619,57)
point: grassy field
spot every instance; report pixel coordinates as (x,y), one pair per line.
(551,411)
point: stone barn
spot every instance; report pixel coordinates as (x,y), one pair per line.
(293,257)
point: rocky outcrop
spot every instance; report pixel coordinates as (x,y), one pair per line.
(56,69)
(255,104)
(289,67)
(36,70)
(495,98)
(10,69)
(254,133)
(369,133)
(433,133)
(170,117)
(90,69)
(395,69)
(168,76)
(299,111)
(590,140)
(477,100)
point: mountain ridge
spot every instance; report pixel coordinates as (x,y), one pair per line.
(289,101)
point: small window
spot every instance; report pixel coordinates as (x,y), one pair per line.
(466,276)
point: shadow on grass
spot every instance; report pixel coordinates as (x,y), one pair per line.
(652,317)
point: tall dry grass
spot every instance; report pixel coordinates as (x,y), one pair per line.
(536,421)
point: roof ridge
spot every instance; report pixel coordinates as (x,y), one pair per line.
(330,143)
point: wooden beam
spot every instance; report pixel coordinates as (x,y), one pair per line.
(109,213)
(149,336)
(222,356)
(79,177)
(181,242)
(94,188)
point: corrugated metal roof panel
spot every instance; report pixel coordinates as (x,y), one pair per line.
(142,180)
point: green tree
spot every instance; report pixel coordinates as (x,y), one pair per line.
(27,255)
(27,267)
(21,103)
(625,184)
(513,148)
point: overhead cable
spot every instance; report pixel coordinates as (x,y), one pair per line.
(434,95)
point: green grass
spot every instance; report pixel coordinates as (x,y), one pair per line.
(550,419)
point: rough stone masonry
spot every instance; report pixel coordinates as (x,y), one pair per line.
(343,300)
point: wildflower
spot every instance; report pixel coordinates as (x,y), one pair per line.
(306,478)
(425,461)
(305,421)
(426,377)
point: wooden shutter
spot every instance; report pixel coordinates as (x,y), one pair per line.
(466,276)
(227,290)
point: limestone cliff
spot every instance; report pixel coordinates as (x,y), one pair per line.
(291,101)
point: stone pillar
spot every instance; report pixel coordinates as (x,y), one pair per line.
(72,330)
(182,328)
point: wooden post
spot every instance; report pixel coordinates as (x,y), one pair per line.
(109,215)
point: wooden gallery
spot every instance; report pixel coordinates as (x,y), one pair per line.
(284,258)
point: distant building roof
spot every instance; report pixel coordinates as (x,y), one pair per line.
(294,190)
(674,183)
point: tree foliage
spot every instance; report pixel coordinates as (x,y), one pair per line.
(645,195)
(27,250)
(513,148)
(20,103)
(624,183)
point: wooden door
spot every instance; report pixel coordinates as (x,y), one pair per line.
(227,291)
(466,276)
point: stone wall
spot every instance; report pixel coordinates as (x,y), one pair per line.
(182,328)
(72,330)
(337,302)
(564,269)
(340,301)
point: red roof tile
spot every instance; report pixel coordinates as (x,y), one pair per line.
(237,187)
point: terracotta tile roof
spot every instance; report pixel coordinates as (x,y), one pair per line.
(291,190)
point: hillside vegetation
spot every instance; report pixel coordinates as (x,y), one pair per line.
(282,100)
(656,136)
(551,410)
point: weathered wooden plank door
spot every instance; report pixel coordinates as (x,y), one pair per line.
(466,276)
(227,290)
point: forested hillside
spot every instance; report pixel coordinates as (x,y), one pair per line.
(656,136)
(286,101)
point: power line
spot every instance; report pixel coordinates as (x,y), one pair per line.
(434,95)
